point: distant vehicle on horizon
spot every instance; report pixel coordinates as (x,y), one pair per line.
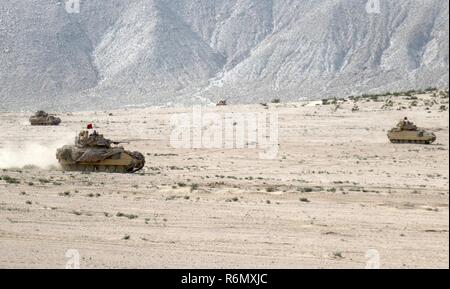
(43,118)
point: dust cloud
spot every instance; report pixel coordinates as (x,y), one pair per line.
(28,154)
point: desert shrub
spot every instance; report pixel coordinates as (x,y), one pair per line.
(10,180)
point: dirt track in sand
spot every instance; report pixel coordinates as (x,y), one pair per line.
(337,189)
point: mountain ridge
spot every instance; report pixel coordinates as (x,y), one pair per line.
(164,52)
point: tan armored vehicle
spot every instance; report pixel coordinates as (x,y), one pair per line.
(408,132)
(94,153)
(222,103)
(43,118)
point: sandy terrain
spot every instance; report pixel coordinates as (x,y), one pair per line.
(337,190)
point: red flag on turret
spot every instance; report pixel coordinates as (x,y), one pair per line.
(90,126)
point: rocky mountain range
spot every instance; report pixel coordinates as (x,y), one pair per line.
(93,54)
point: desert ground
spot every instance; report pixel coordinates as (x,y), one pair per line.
(338,194)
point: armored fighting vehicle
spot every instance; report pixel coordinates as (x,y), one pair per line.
(222,103)
(43,118)
(94,153)
(408,132)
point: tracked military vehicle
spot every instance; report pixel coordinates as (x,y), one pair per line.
(222,103)
(94,153)
(408,132)
(43,118)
